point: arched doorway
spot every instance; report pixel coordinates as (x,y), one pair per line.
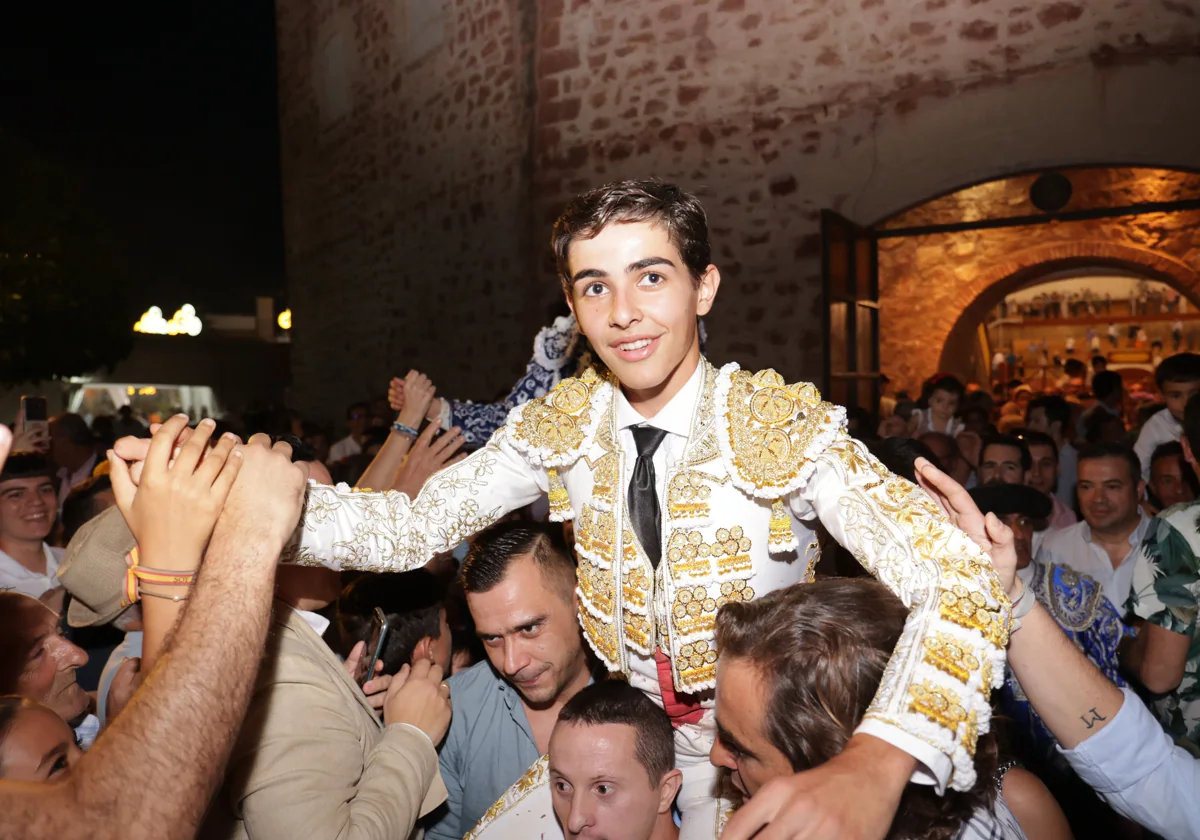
(945,263)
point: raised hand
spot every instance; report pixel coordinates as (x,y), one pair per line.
(418,697)
(425,458)
(418,393)
(36,439)
(173,511)
(268,495)
(376,687)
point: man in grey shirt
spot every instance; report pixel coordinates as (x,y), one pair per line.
(520,586)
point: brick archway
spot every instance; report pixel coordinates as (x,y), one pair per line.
(991,286)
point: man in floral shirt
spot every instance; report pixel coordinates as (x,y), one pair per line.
(1166,595)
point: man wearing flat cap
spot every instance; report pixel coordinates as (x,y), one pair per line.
(1018,506)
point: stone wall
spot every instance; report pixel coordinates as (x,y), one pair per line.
(935,289)
(770,110)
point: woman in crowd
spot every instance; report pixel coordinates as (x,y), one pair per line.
(36,745)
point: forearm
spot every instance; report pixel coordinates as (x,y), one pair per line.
(160,616)
(1157,656)
(1070,695)
(383,468)
(382,808)
(183,722)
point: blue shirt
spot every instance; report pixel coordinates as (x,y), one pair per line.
(489,746)
(130,648)
(1140,772)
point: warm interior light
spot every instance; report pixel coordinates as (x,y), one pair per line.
(285,319)
(183,322)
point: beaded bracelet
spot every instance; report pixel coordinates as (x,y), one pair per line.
(404,430)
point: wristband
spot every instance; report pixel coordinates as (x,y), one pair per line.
(138,577)
(404,430)
(1021,608)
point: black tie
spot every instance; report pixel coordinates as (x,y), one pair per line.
(643,496)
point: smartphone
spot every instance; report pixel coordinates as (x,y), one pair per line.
(376,639)
(34,412)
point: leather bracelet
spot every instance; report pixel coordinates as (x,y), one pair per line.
(1021,608)
(404,430)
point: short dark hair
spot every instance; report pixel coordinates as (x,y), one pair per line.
(1191,423)
(1106,383)
(1099,360)
(76,429)
(1008,440)
(821,650)
(1096,451)
(413,603)
(1057,409)
(1032,438)
(941,382)
(616,701)
(677,211)
(1170,449)
(1182,367)
(494,551)
(1074,367)
(350,409)
(900,454)
(27,465)
(80,506)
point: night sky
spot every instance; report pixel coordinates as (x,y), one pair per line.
(165,115)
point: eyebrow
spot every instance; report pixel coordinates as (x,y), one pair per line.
(528,622)
(592,273)
(730,741)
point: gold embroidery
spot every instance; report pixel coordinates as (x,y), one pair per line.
(639,633)
(605,468)
(688,495)
(694,611)
(937,704)
(637,588)
(950,656)
(690,555)
(969,609)
(556,422)
(560,502)
(596,587)
(780,532)
(771,427)
(533,778)
(602,637)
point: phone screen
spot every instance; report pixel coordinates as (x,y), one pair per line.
(34,409)
(376,639)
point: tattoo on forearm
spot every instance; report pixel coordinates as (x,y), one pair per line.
(1092,718)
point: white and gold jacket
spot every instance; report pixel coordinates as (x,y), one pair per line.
(760,453)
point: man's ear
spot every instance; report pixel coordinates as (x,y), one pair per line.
(710,281)
(668,789)
(423,650)
(570,301)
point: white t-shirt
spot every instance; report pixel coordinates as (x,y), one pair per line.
(344,448)
(15,577)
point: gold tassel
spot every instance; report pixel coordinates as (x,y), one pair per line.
(781,535)
(560,503)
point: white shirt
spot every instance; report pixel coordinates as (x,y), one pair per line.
(68,479)
(1073,547)
(317,622)
(1159,429)
(675,418)
(14,576)
(1140,772)
(344,448)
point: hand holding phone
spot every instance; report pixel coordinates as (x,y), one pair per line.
(32,432)
(375,641)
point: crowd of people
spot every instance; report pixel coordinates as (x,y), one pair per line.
(630,599)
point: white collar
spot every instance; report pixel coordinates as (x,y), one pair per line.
(317,622)
(17,570)
(675,417)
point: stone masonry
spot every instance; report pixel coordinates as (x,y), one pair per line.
(428,145)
